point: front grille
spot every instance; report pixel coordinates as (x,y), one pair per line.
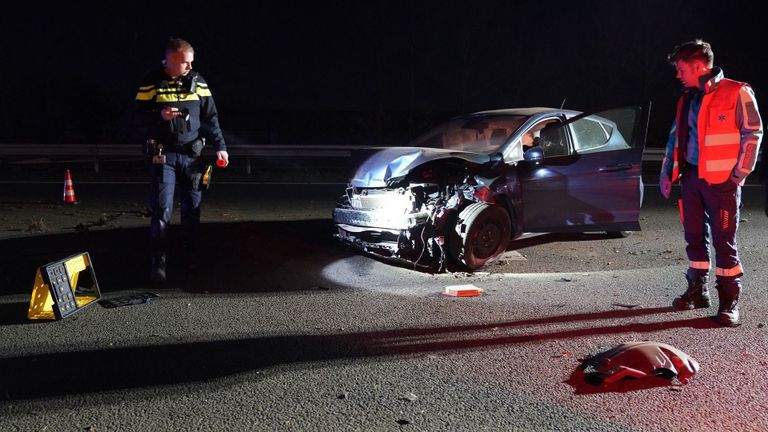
(378,219)
(374,199)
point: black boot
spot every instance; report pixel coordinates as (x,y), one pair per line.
(696,296)
(158,268)
(728,311)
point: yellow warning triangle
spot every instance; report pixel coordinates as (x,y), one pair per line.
(59,290)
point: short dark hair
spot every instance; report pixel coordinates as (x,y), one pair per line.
(178,44)
(696,49)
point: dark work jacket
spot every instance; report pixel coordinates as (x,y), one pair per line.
(189,93)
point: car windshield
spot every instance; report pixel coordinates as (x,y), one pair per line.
(477,134)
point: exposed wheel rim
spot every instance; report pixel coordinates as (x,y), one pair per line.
(486,242)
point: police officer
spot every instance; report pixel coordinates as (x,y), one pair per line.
(177,111)
(712,147)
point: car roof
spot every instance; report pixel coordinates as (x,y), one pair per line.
(526,111)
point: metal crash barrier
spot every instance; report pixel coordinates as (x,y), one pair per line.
(96,153)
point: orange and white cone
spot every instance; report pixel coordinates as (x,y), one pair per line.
(69,189)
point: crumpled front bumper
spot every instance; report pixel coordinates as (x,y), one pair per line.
(380,232)
(378,219)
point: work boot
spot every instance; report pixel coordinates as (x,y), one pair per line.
(696,296)
(728,311)
(158,269)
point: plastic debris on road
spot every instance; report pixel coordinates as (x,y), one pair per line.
(640,360)
(136,299)
(462,291)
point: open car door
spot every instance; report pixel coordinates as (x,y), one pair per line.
(585,174)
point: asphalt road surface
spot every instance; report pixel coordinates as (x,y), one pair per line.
(283,329)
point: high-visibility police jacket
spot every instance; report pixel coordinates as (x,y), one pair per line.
(729,132)
(190,93)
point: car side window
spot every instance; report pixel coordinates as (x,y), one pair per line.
(589,135)
(553,141)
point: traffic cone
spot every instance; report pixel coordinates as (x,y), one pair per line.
(69,189)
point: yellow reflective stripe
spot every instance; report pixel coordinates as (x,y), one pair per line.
(146,87)
(733,271)
(177,97)
(145,96)
(722,139)
(203,91)
(699,265)
(749,108)
(720,165)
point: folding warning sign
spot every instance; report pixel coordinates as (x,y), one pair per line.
(63,287)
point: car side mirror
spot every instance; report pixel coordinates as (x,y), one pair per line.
(533,154)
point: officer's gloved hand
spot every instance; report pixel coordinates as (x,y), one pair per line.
(665,185)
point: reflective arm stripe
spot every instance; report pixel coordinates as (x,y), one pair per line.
(720,165)
(146,95)
(173,97)
(751,117)
(748,159)
(146,87)
(203,91)
(669,164)
(751,132)
(722,139)
(733,271)
(699,265)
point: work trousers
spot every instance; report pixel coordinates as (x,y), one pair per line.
(710,214)
(180,170)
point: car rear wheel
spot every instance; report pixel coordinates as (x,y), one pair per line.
(482,233)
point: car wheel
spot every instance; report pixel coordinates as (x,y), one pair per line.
(619,234)
(482,233)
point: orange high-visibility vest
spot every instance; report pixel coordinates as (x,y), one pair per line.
(719,133)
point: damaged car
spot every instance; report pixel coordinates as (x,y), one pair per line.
(466,188)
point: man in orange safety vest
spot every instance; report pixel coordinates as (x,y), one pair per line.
(712,147)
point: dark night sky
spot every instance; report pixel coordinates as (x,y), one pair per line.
(365,72)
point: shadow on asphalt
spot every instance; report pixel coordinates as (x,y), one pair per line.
(557,238)
(234,257)
(147,366)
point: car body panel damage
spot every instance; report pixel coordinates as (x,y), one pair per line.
(462,191)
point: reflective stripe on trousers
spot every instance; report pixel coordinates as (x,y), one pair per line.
(711,215)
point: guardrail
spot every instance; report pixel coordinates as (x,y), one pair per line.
(96,153)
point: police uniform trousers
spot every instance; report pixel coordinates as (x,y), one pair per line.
(182,170)
(710,213)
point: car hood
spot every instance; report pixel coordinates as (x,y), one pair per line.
(398,161)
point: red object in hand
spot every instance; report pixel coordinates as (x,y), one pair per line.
(221,163)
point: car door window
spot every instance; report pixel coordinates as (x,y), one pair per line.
(530,138)
(553,141)
(590,134)
(610,130)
